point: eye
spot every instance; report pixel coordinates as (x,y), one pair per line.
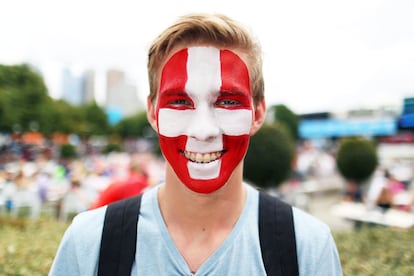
(233,100)
(179,103)
(175,99)
(227,103)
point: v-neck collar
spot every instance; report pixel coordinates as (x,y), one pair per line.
(212,259)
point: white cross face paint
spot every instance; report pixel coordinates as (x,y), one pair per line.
(204,115)
(207,157)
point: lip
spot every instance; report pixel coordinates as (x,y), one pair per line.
(203,158)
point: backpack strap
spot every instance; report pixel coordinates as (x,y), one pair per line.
(119,237)
(276,233)
(277,236)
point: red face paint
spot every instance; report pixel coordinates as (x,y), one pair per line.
(204,115)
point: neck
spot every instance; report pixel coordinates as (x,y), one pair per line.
(199,223)
(194,211)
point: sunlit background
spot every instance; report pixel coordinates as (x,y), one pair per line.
(319,55)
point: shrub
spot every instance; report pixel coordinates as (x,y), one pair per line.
(356,159)
(68,151)
(112,147)
(269,159)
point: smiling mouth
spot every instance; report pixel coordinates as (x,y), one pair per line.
(198,157)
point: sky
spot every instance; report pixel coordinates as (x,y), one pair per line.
(319,55)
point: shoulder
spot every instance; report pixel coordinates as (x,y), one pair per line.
(306,224)
(316,248)
(89,221)
(85,231)
(79,248)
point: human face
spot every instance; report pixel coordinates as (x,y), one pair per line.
(204,115)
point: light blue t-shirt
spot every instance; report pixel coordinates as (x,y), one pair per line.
(157,254)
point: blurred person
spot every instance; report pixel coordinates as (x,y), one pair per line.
(388,190)
(206,100)
(375,187)
(353,192)
(74,201)
(42,181)
(8,191)
(134,184)
(26,196)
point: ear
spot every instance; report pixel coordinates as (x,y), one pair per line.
(259,117)
(152,119)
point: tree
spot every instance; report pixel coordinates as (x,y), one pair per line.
(60,116)
(135,126)
(95,119)
(24,90)
(270,156)
(356,159)
(6,115)
(283,115)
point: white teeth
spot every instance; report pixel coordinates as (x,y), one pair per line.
(199,157)
(202,157)
(206,158)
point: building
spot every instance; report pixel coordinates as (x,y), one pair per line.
(89,87)
(121,97)
(73,86)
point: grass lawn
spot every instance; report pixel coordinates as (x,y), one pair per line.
(27,247)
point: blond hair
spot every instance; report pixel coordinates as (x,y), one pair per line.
(212,29)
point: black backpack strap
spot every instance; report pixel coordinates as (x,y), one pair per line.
(277,236)
(119,237)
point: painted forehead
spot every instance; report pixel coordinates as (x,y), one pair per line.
(233,72)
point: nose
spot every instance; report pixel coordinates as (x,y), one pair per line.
(203,125)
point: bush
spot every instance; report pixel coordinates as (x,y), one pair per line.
(68,151)
(269,159)
(112,147)
(356,159)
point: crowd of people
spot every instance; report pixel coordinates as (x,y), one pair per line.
(33,181)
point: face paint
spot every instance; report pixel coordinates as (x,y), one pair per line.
(204,115)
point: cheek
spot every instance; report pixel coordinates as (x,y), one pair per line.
(172,123)
(235,122)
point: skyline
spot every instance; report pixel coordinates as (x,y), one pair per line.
(318,56)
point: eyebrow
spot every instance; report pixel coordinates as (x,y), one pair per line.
(232,93)
(174,92)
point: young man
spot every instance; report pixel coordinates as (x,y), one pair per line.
(206,100)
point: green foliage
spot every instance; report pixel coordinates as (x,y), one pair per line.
(112,147)
(356,159)
(135,126)
(24,103)
(269,159)
(68,151)
(60,116)
(376,251)
(6,115)
(95,120)
(285,116)
(23,90)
